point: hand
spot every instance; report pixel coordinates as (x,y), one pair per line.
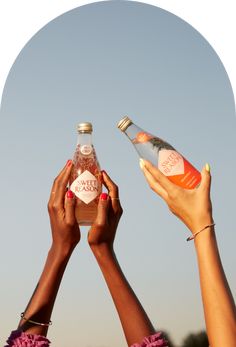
(193,206)
(136,323)
(103,230)
(61,208)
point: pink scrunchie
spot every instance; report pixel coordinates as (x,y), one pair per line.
(20,339)
(156,340)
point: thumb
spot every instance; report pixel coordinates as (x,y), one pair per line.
(206,178)
(102,210)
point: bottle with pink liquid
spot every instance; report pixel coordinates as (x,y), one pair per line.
(85,177)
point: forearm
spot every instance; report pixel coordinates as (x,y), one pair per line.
(219,307)
(42,301)
(133,318)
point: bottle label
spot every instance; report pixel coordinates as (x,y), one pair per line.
(85,187)
(86,149)
(170,162)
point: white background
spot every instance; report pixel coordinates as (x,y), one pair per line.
(20,20)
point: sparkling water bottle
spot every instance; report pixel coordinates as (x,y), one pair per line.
(161,154)
(85,180)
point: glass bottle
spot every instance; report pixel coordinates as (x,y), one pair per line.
(84,180)
(161,154)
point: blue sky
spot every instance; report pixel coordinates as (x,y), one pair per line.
(98,63)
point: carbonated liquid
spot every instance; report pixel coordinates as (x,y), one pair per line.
(85,183)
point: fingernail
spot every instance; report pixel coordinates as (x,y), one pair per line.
(104,196)
(141,163)
(103,171)
(70,194)
(69,162)
(207,167)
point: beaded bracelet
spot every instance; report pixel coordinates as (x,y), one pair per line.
(194,235)
(33,322)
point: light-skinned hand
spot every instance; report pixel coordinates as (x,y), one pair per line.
(192,206)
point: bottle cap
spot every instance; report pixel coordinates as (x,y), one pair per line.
(84,127)
(124,123)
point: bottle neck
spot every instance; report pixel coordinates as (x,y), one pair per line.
(84,139)
(132,131)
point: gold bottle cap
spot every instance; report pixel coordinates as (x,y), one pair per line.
(124,123)
(85,127)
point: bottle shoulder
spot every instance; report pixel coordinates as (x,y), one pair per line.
(85,159)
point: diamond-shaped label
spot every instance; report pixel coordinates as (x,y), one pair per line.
(85,187)
(170,162)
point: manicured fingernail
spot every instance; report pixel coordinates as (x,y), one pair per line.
(69,162)
(70,194)
(104,196)
(141,163)
(207,167)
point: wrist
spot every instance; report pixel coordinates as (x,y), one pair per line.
(201,223)
(60,252)
(102,250)
(205,238)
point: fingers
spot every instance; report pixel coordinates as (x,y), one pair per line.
(70,208)
(110,185)
(113,192)
(102,209)
(155,179)
(205,184)
(59,186)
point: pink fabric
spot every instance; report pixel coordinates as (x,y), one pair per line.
(156,340)
(20,339)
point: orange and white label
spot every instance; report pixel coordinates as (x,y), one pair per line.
(170,162)
(85,187)
(178,169)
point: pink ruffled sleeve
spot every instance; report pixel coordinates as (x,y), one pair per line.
(20,339)
(156,340)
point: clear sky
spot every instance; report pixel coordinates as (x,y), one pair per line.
(98,63)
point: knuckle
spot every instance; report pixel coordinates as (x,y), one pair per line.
(115,188)
(173,194)
(100,225)
(119,211)
(172,209)
(49,206)
(152,186)
(70,223)
(55,206)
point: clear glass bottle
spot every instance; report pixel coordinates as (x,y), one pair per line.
(85,182)
(161,154)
